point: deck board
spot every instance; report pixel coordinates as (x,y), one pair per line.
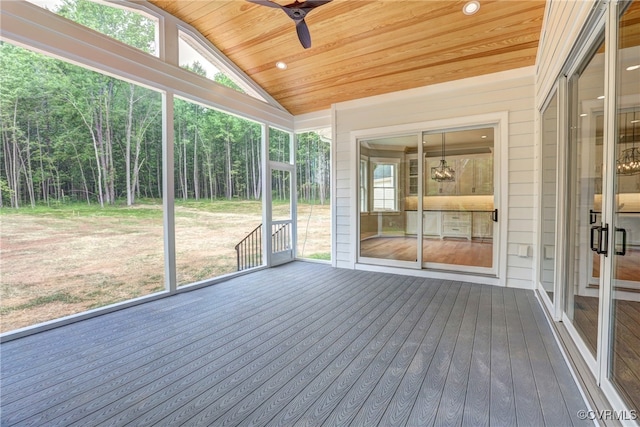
(478,393)
(300,344)
(502,407)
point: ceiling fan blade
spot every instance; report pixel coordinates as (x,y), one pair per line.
(297,12)
(312,4)
(303,34)
(267,3)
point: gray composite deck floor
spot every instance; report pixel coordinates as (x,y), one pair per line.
(299,345)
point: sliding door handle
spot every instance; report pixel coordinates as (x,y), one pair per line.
(596,229)
(494,215)
(599,244)
(623,252)
(603,241)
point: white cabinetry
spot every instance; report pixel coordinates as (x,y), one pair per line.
(411,226)
(474,176)
(431,223)
(456,224)
(412,176)
(482,225)
(451,224)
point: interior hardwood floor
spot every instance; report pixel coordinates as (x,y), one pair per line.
(302,344)
(476,253)
(626,329)
(627,266)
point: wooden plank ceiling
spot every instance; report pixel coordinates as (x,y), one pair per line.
(362,48)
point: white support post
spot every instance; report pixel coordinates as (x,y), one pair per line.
(294,195)
(266,196)
(168,189)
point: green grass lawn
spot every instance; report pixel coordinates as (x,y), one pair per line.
(65,259)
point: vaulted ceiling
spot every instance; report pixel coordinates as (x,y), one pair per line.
(362,48)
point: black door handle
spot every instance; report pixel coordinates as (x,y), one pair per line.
(599,244)
(494,215)
(592,241)
(623,252)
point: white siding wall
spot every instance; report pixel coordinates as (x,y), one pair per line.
(562,24)
(512,92)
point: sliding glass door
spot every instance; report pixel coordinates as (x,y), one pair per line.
(427,200)
(548,203)
(602,255)
(586,232)
(624,322)
(459,211)
(389,188)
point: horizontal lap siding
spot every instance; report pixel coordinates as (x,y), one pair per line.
(561,27)
(512,92)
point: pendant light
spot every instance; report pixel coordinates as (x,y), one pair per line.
(629,161)
(443,172)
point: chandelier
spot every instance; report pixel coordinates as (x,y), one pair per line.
(629,161)
(443,172)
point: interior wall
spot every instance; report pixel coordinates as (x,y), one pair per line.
(511,92)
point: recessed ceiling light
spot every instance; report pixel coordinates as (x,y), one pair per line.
(483,136)
(583,115)
(281,65)
(601,97)
(633,67)
(471,7)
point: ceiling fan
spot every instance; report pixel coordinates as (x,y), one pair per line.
(296,11)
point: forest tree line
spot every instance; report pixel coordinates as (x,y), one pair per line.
(71,134)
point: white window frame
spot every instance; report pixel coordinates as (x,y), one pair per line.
(363,184)
(379,161)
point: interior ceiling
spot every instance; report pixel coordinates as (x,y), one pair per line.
(362,48)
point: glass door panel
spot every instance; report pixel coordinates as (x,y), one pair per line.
(389,189)
(624,356)
(458,217)
(586,92)
(548,199)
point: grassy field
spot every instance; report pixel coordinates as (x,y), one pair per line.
(68,259)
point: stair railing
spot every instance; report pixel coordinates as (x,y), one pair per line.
(249,250)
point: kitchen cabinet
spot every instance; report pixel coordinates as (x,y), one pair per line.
(482,175)
(440,224)
(412,176)
(482,225)
(474,176)
(456,224)
(628,183)
(411,225)
(431,223)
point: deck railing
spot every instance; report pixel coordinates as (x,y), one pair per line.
(280,237)
(249,250)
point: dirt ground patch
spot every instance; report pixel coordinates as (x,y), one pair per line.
(54,266)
